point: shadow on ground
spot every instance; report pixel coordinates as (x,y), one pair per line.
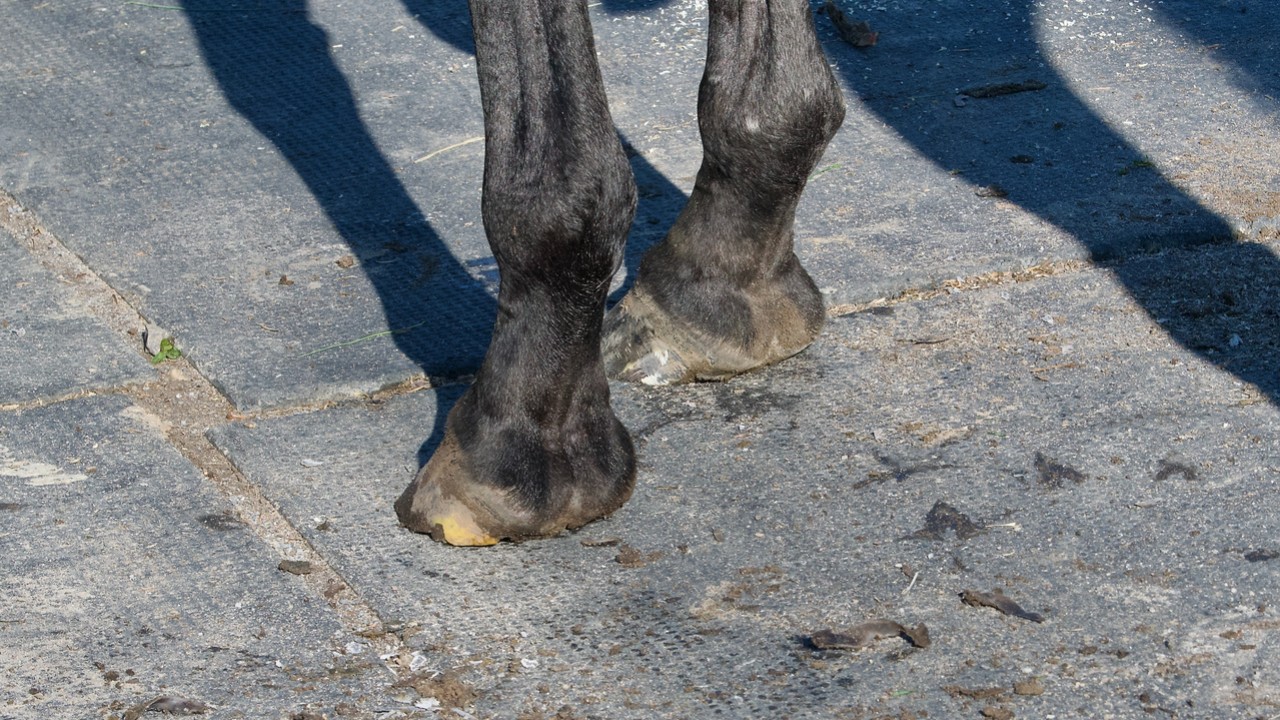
(274,66)
(1058,159)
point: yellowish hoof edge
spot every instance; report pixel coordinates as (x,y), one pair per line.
(462,533)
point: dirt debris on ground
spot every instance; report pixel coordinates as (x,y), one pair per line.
(867,634)
(998,600)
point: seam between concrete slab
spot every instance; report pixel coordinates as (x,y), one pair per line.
(270,525)
(99,298)
(184,426)
(54,400)
(966,284)
(1034,272)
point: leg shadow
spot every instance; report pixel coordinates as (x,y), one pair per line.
(1049,153)
(274,67)
(1234,33)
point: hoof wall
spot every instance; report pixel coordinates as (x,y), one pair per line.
(430,504)
(457,526)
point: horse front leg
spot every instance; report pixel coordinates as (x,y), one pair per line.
(533,448)
(723,293)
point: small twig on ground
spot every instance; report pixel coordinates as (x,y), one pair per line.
(434,153)
(816,173)
(364,338)
(1016,527)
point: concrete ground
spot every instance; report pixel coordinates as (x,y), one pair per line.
(1042,420)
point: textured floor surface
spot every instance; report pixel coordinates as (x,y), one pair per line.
(1047,234)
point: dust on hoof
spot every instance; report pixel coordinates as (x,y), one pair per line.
(643,343)
(634,351)
(448,520)
(434,503)
(447,502)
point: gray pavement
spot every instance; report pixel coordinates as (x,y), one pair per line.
(1052,367)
